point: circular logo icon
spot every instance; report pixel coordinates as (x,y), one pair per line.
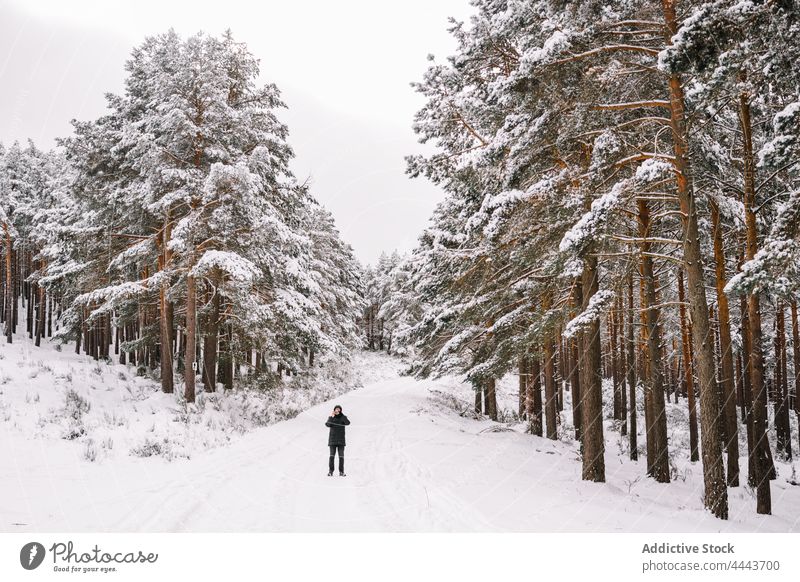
(31,555)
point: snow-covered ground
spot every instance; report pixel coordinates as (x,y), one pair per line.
(139,460)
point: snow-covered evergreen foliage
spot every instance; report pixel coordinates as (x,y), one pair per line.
(184,179)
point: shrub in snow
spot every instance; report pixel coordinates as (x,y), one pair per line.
(113,420)
(44,367)
(90,451)
(566,433)
(676,473)
(451,402)
(507,416)
(75,406)
(158,448)
(265,381)
(148,448)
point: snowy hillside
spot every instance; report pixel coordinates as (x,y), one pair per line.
(88,446)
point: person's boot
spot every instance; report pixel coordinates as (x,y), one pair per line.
(330,473)
(341,474)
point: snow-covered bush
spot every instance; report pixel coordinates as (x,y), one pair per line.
(75,406)
(163,447)
(90,451)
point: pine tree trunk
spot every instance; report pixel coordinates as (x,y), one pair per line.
(591,383)
(486,406)
(191,338)
(655,408)
(549,378)
(796,365)
(781,402)
(523,386)
(611,326)
(550,395)
(225,367)
(40,315)
(761,464)
(210,341)
(3,294)
(726,352)
(535,390)
(17,291)
(786,405)
(79,336)
(716,492)
(107,337)
(740,386)
(631,361)
(747,400)
(491,399)
(10,298)
(575,376)
(688,370)
(29,294)
(164,312)
(558,374)
(623,366)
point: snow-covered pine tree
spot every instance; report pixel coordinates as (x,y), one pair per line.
(567,142)
(186,183)
(740,54)
(26,181)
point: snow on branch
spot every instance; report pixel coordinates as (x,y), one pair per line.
(109,297)
(787,217)
(234,265)
(653,170)
(57,272)
(555,43)
(773,269)
(783,147)
(501,205)
(591,223)
(598,304)
(630,105)
(136,251)
(607,49)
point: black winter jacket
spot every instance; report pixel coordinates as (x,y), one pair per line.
(337,424)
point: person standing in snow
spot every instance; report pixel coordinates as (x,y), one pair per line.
(336,421)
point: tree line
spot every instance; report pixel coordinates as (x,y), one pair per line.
(622,201)
(171,231)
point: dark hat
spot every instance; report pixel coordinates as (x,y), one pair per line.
(337,406)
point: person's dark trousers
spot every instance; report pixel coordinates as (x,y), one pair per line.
(341,458)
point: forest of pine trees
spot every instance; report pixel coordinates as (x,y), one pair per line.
(620,223)
(622,201)
(171,234)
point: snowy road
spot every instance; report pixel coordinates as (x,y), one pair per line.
(276,479)
(273,479)
(413,464)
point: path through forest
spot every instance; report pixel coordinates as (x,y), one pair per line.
(414,463)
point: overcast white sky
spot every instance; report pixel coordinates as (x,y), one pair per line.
(344,68)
